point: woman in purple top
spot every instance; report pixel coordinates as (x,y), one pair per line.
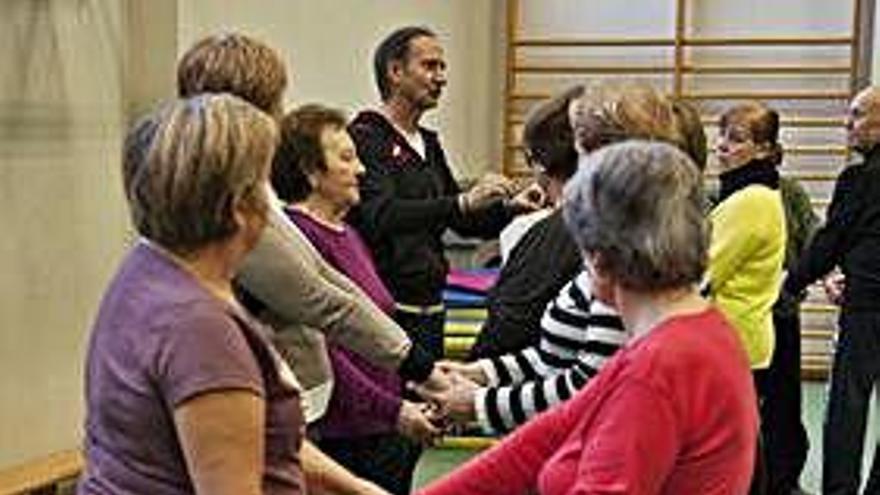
(184,393)
(368,428)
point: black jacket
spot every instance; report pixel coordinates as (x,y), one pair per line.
(406,205)
(850,238)
(544,259)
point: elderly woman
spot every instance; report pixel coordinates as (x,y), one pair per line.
(674,411)
(184,392)
(748,227)
(368,428)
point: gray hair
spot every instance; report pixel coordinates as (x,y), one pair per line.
(639,206)
(188,164)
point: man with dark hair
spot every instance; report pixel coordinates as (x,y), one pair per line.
(409,196)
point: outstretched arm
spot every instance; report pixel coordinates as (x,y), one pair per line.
(826,248)
(288,275)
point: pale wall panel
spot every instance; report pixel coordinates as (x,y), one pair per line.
(60,208)
(329,45)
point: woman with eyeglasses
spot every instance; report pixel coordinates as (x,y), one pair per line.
(545,257)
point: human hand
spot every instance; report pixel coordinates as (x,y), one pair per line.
(834,284)
(457,402)
(438,381)
(528,200)
(490,188)
(472,371)
(495,181)
(417,422)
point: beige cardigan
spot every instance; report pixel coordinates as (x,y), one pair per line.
(308,300)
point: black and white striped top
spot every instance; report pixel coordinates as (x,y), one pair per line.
(578,334)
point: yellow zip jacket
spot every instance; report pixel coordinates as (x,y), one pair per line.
(745,265)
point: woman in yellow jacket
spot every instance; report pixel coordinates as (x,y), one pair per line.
(748,227)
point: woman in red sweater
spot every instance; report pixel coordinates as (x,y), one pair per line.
(673,411)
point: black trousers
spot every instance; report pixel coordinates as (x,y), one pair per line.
(388,460)
(424,329)
(855,371)
(785,441)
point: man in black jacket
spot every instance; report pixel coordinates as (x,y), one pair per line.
(850,239)
(409,197)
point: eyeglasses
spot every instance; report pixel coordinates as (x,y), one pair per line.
(533,161)
(736,134)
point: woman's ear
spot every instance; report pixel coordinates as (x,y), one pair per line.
(312,177)
(762,150)
(601,281)
(239,213)
(250,214)
(248,205)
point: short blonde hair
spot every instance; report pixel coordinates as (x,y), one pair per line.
(610,111)
(188,164)
(237,64)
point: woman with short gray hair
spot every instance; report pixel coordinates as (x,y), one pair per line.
(674,410)
(659,241)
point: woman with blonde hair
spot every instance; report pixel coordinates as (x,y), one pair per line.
(184,393)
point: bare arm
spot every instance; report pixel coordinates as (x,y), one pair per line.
(324,476)
(222,437)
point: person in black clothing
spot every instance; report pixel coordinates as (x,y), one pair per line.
(850,239)
(409,197)
(786,443)
(546,257)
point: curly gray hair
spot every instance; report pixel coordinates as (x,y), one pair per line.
(639,206)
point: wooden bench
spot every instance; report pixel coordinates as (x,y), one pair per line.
(43,476)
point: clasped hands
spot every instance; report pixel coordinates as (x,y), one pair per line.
(449,394)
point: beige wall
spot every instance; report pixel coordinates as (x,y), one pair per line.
(60,208)
(329,45)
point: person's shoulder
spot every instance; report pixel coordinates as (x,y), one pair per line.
(195,313)
(428,133)
(759,192)
(149,285)
(754,202)
(369,122)
(790,186)
(686,342)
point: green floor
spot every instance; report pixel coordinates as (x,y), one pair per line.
(438,461)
